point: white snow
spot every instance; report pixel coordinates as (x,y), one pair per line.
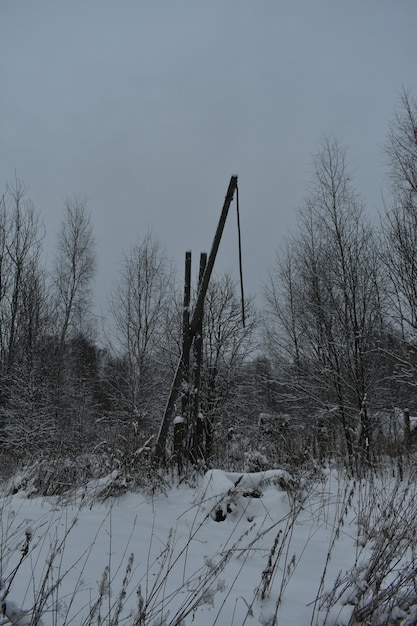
(16,616)
(267,557)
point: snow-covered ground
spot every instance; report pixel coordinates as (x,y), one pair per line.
(238,549)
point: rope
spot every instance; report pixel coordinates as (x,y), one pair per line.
(242,297)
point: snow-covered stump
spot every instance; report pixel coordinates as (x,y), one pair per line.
(179,435)
(226,493)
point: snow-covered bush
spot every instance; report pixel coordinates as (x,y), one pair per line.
(104,473)
(255,461)
(380,587)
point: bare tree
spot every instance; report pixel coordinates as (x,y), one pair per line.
(20,245)
(227,343)
(399,252)
(72,277)
(400,219)
(325,296)
(401,150)
(74,269)
(24,318)
(4,280)
(141,306)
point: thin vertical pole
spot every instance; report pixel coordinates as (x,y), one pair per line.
(186,336)
(180,425)
(198,352)
(239,238)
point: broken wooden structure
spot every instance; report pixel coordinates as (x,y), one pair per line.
(192,338)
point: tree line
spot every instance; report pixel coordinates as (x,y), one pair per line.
(342,297)
(325,358)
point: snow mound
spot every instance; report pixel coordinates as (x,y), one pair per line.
(224,493)
(18,617)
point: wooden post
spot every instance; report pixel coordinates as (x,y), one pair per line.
(180,422)
(179,435)
(407,430)
(198,312)
(197,451)
(186,337)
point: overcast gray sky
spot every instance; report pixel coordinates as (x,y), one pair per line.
(148,107)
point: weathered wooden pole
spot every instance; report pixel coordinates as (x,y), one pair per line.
(180,425)
(407,430)
(186,336)
(198,312)
(197,448)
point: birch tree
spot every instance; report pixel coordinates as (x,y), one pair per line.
(227,396)
(227,343)
(141,305)
(74,270)
(21,235)
(24,317)
(325,296)
(72,277)
(400,218)
(399,252)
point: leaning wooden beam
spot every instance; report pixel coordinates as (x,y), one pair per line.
(159,453)
(198,310)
